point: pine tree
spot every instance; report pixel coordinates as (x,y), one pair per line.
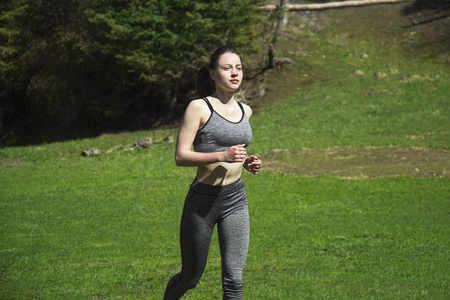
(67,65)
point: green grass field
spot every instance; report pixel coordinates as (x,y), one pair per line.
(106,226)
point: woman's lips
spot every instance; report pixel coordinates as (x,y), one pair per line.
(235,81)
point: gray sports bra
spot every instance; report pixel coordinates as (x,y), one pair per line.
(219,134)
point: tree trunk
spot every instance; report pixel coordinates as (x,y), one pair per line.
(172,97)
(299,7)
(282,19)
(285,8)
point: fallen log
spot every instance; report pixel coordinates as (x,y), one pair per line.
(330,5)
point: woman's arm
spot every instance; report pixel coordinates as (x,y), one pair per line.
(195,116)
(252,163)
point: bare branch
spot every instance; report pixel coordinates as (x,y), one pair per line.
(299,7)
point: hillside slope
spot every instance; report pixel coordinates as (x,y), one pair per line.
(363,78)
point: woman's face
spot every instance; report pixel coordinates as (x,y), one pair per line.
(228,74)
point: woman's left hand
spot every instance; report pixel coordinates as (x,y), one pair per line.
(252,164)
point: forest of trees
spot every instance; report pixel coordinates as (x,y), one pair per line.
(75,68)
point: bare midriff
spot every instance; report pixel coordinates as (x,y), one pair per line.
(221,173)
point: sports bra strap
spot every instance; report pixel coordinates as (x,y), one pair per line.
(211,108)
(241,106)
(209,104)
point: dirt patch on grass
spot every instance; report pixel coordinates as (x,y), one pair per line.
(12,161)
(360,162)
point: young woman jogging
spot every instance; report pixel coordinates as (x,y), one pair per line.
(217,127)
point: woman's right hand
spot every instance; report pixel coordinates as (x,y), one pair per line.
(234,154)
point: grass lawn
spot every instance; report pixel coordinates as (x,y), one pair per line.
(106,226)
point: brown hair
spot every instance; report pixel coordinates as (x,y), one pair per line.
(205,85)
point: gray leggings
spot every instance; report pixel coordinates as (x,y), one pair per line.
(205,206)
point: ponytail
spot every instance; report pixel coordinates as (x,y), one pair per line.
(205,85)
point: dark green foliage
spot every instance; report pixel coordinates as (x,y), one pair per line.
(431,4)
(78,67)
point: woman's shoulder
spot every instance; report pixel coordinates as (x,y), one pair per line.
(197,108)
(247,109)
(197,104)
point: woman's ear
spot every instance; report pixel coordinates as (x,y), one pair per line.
(211,74)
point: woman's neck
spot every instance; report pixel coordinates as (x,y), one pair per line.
(224,97)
